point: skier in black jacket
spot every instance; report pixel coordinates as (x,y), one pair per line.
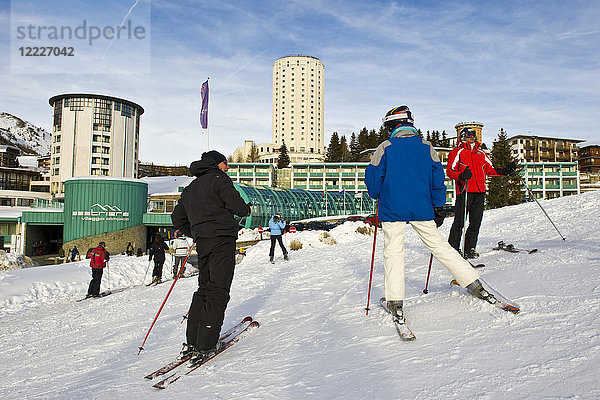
(206,212)
(157,250)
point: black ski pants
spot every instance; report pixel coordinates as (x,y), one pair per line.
(475,205)
(276,238)
(216,263)
(158,266)
(94,288)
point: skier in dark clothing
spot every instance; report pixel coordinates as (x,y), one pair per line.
(74,254)
(98,260)
(129,250)
(206,212)
(157,250)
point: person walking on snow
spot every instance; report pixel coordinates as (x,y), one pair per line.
(276,225)
(206,212)
(180,248)
(74,253)
(469,166)
(407,177)
(157,250)
(98,260)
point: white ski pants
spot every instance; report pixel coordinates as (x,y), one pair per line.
(393,256)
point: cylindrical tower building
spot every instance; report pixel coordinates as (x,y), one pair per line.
(477,127)
(93,135)
(298,107)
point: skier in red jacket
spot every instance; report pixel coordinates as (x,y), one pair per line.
(98,260)
(469,166)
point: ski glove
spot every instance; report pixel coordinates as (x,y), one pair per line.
(466,175)
(440,214)
(510,168)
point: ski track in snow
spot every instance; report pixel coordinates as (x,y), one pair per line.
(315,340)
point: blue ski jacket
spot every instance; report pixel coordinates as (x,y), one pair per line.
(407,177)
(276,227)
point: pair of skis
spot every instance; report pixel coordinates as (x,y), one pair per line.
(228,339)
(407,335)
(103,294)
(512,249)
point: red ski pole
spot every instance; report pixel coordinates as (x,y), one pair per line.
(372,258)
(163,303)
(428,272)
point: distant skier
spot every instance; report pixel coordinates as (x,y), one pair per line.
(74,253)
(129,250)
(407,177)
(206,212)
(99,256)
(276,225)
(157,251)
(180,248)
(468,163)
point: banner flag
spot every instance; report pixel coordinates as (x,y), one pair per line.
(204,109)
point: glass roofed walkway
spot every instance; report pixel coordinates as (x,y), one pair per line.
(298,204)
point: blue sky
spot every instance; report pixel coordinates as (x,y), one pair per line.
(526,66)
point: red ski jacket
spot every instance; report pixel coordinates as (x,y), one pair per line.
(99,257)
(480,164)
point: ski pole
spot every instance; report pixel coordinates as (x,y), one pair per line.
(147,268)
(372,258)
(538,203)
(108,275)
(428,272)
(163,304)
(464,233)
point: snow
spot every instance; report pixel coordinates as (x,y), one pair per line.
(315,340)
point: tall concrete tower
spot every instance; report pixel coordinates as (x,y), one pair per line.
(93,135)
(298,108)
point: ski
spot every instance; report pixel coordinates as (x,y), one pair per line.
(403,330)
(512,249)
(476,265)
(230,341)
(240,326)
(103,294)
(499,300)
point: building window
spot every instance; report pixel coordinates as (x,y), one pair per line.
(58,115)
(102,115)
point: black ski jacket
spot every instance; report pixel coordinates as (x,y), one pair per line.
(208,204)
(157,250)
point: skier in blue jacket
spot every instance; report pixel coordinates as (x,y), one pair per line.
(406,176)
(277,226)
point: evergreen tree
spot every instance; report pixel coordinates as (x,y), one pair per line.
(419,133)
(253,154)
(373,139)
(428,137)
(354,150)
(383,134)
(363,140)
(504,190)
(344,151)
(435,138)
(283,161)
(445,141)
(334,152)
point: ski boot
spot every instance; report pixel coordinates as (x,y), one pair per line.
(476,289)
(271,260)
(285,257)
(188,350)
(471,253)
(395,307)
(203,355)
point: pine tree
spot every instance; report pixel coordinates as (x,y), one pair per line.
(283,161)
(344,151)
(363,140)
(354,150)
(504,190)
(383,134)
(253,154)
(334,152)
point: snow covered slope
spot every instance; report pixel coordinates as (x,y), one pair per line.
(315,340)
(22,134)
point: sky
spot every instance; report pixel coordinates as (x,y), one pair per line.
(528,67)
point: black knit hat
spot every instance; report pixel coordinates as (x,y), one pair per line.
(215,155)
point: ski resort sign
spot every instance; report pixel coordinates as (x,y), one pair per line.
(99,212)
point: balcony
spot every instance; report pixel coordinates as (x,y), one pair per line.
(316,174)
(332,174)
(301,174)
(569,173)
